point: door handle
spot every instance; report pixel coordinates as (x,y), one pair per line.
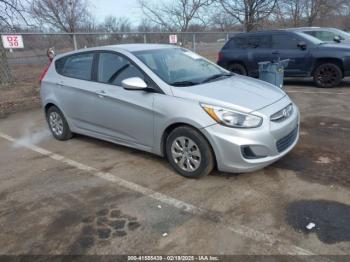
(101,93)
(60,84)
(275,53)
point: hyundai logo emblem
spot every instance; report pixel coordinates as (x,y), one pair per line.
(287,112)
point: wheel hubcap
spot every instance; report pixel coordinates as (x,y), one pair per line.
(56,123)
(327,75)
(186,153)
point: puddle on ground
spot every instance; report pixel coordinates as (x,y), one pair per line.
(331,219)
(323,153)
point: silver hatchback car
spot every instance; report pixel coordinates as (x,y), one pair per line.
(171,102)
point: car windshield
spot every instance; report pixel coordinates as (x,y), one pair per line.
(181,67)
(341,33)
(310,38)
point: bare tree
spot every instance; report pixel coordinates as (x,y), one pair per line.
(312,9)
(175,15)
(316,10)
(62,15)
(11,13)
(248,12)
(113,24)
(222,21)
(116,25)
(290,12)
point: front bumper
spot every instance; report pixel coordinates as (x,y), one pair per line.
(227,142)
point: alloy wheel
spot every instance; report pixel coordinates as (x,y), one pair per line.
(327,76)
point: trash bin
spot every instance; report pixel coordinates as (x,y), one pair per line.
(273,72)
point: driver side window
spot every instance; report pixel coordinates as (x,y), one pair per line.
(114,68)
(284,41)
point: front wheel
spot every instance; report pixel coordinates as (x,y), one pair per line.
(327,75)
(189,153)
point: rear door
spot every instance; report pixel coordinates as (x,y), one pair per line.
(285,46)
(74,90)
(234,51)
(259,50)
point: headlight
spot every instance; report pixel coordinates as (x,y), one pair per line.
(232,118)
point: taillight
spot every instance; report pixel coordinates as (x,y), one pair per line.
(43,73)
(219,56)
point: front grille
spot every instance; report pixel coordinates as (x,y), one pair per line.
(286,141)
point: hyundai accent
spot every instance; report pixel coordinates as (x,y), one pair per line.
(171,102)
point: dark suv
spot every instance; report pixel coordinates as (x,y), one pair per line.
(327,63)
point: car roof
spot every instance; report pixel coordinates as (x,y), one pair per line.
(302,28)
(125,47)
(313,28)
(139,47)
(261,32)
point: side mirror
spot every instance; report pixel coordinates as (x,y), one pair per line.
(134,83)
(337,39)
(302,45)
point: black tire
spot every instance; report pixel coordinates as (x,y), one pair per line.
(205,163)
(238,69)
(327,75)
(65,133)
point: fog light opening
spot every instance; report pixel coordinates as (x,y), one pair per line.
(248,153)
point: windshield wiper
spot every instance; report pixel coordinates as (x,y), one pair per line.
(184,83)
(213,77)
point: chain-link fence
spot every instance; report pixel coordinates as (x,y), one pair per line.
(27,63)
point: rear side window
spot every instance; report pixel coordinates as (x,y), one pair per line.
(237,43)
(285,41)
(75,66)
(312,33)
(114,68)
(263,41)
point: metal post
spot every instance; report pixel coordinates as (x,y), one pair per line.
(194,42)
(227,36)
(144,38)
(75,42)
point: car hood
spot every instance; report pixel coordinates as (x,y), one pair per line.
(339,46)
(237,92)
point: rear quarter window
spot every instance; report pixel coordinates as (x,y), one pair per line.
(236,43)
(76,66)
(260,41)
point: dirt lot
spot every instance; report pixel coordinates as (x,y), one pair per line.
(85,196)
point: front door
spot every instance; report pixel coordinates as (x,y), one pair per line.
(123,115)
(285,46)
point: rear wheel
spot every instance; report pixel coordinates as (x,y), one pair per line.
(58,124)
(189,153)
(327,75)
(238,69)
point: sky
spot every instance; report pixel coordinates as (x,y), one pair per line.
(119,8)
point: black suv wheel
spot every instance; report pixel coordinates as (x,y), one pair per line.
(327,75)
(238,69)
